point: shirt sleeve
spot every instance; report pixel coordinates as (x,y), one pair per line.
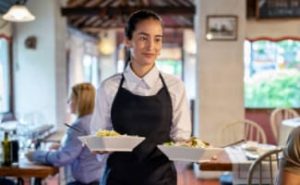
(101,115)
(69,151)
(181,126)
(292,151)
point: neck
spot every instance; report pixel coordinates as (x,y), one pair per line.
(139,70)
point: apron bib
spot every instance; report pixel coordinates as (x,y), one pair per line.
(150,117)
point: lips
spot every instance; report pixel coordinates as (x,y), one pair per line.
(148,54)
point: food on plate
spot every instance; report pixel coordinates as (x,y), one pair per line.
(193,142)
(105,133)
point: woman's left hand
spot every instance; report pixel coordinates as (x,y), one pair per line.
(29,155)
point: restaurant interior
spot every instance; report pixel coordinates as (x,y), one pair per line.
(239,61)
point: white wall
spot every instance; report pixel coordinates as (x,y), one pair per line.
(219,71)
(272,28)
(5,28)
(40,74)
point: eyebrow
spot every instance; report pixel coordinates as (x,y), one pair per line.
(144,33)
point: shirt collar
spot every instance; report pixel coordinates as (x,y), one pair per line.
(149,79)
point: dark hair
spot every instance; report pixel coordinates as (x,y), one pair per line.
(137,17)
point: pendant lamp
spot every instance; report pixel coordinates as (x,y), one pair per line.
(18,13)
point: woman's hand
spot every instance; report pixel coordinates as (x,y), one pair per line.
(29,155)
(101,152)
(54,146)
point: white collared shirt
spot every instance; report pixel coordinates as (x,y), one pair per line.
(148,85)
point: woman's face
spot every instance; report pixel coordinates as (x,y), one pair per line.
(72,105)
(146,42)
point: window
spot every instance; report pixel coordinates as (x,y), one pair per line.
(90,69)
(4,76)
(272,74)
(170,61)
(171,66)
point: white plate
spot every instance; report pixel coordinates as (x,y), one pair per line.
(260,150)
(123,143)
(183,153)
(250,146)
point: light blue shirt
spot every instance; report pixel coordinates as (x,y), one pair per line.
(84,165)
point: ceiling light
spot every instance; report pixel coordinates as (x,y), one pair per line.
(106,45)
(18,13)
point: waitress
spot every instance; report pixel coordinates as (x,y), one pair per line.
(146,102)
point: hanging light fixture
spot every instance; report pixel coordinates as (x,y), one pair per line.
(18,13)
(106,45)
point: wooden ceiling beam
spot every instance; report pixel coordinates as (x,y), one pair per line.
(99,22)
(126,10)
(181,20)
(183,3)
(107,23)
(115,4)
(106,3)
(173,3)
(92,3)
(97,29)
(91,20)
(80,20)
(76,3)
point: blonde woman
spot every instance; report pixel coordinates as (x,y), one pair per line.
(85,168)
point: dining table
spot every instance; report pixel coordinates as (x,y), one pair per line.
(28,170)
(236,159)
(221,163)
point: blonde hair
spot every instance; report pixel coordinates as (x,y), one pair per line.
(84,96)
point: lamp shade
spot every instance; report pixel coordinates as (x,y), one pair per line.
(106,46)
(18,13)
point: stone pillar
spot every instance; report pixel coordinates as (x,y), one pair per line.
(220,86)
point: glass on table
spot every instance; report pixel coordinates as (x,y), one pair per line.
(24,134)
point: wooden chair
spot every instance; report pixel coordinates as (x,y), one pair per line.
(243,130)
(246,130)
(265,168)
(277,116)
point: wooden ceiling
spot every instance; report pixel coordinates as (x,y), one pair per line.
(92,16)
(6,4)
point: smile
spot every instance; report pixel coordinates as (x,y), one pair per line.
(148,54)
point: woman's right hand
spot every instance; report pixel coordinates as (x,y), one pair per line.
(29,155)
(54,146)
(101,152)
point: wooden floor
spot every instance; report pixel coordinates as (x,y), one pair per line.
(188,178)
(185,177)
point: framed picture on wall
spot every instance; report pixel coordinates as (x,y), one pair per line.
(221,27)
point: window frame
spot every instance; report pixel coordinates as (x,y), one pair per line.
(274,40)
(9,115)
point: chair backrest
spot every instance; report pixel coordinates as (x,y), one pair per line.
(277,116)
(243,130)
(265,168)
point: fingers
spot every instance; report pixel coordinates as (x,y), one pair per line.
(101,152)
(214,157)
(29,156)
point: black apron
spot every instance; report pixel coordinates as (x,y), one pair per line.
(150,117)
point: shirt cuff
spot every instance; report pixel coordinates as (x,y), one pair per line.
(102,157)
(41,156)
